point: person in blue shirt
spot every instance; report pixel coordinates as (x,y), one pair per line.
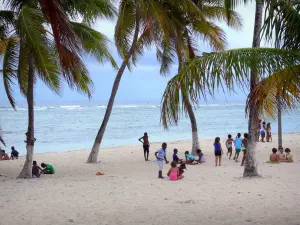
(238,146)
(189,158)
(161,155)
(218,151)
(175,157)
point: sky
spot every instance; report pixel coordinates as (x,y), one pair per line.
(143,84)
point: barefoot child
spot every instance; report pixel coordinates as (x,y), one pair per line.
(289,156)
(269,135)
(145,141)
(244,148)
(281,154)
(173,173)
(274,157)
(218,151)
(229,145)
(263,132)
(238,146)
(161,155)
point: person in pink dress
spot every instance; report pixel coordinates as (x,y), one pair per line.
(173,173)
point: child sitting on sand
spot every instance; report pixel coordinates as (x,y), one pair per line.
(189,158)
(173,173)
(274,157)
(175,157)
(4,155)
(289,156)
(281,154)
(218,151)
(48,169)
(244,148)
(36,170)
(201,156)
(229,145)
(238,146)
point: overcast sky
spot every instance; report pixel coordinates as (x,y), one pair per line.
(144,84)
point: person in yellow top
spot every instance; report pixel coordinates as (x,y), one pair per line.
(289,156)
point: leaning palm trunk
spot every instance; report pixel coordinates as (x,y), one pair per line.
(95,150)
(190,111)
(26,171)
(251,165)
(195,137)
(279,124)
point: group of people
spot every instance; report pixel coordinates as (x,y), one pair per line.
(37,171)
(281,157)
(264,131)
(13,155)
(241,145)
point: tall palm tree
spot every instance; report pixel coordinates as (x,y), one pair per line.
(39,40)
(186,34)
(139,23)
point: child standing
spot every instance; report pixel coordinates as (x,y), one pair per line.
(218,151)
(238,146)
(173,173)
(229,145)
(244,148)
(161,155)
(263,132)
(269,135)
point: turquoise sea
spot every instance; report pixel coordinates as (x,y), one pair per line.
(70,127)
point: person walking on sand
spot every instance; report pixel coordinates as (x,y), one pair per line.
(161,155)
(218,151)
(238,146)
(229,143)
(146,145)
(244,148)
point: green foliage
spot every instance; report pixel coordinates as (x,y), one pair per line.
(203,75)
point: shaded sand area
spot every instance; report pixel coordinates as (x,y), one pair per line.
(130,193)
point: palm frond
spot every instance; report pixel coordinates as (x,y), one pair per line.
(282,87)
(125,26)
(94,43)
(203,75)
(1,138)
(31,27)
(282,19)
(89,10)
(10,66)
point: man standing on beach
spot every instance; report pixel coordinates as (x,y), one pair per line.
(146,145)
(161,155)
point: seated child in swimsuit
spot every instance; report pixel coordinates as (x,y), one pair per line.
(173,173)
(274,158)
(289,156)
(36,170)
(201,156)
(281,154)
(189,158)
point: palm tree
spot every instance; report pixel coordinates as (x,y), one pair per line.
(184,39)
(38,40)
(139,23)
(201,76)
(281,24)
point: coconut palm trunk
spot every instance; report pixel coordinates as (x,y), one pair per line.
(190,111)
(251,163)
(95,150)
(279,123)
(27,168)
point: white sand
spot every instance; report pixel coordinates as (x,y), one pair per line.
(130,193)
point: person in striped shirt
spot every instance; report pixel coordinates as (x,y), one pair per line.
(161,155)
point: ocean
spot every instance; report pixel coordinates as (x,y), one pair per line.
(73,127)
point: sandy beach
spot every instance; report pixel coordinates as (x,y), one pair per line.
(130,193)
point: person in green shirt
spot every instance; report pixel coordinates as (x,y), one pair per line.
(48,169)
